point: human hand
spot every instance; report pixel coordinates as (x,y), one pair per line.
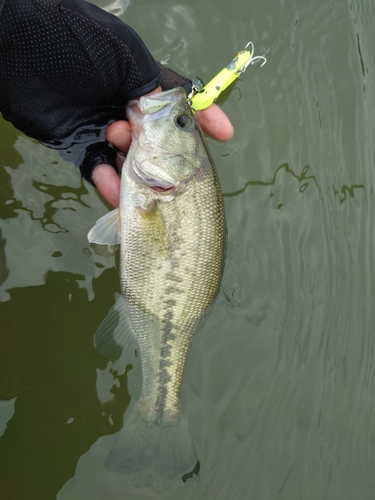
(212,120)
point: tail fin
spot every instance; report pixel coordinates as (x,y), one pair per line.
(166,449)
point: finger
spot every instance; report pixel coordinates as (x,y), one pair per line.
(215,123)
(107,182)
(119,135)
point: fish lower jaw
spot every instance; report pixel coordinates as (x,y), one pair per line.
(159,185)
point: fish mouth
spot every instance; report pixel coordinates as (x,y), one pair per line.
(161,189)
(156,184)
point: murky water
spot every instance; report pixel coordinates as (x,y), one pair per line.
(279,387)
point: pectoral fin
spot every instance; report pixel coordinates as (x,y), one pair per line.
(106,230)
(153,229)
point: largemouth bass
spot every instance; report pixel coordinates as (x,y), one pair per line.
(171,227)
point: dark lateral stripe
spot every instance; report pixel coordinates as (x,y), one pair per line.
(160,403)
(165,362)
(171,290)
(174,277)
(170,302)
(166,351)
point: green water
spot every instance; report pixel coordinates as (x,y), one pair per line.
(279,387)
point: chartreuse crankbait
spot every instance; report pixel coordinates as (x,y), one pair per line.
(201,97)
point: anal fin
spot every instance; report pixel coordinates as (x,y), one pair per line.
(114,337)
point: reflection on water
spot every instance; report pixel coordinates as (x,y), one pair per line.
(280,384)
(57,194)
(303,178)
(116,7)
(4,271)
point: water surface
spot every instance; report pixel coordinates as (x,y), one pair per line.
(279,386)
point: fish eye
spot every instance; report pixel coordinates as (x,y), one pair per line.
(183,121)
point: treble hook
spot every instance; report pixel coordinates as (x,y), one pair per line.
(253,59)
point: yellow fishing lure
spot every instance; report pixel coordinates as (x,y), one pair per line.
(202,98)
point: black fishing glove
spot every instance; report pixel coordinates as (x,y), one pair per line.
(67,69)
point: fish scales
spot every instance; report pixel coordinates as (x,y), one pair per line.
(174,285)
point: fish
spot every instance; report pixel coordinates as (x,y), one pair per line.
(172,232)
